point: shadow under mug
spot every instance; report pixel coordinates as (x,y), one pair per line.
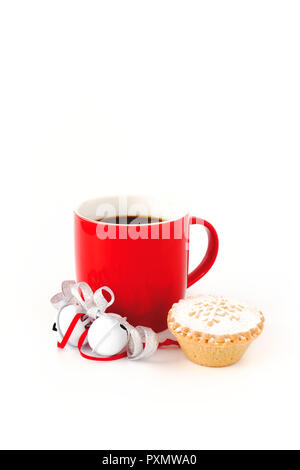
(146,265)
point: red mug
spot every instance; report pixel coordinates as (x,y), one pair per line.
(146,265)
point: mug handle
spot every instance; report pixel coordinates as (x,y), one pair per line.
(211,252)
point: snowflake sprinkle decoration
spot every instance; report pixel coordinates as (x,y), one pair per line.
(211,312)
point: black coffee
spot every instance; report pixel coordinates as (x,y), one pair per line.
(130,219)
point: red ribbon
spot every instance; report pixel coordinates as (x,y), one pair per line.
(69,331)
(62,344)
(93,358)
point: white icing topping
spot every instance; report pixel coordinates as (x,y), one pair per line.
(215,315)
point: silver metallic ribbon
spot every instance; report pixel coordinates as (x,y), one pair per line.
(95,304)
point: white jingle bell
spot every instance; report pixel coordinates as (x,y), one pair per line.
(107,336)
(64,318)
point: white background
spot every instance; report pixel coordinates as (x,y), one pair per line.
(194,99)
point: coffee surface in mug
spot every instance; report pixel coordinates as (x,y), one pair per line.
(130,219)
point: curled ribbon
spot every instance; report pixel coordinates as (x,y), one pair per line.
(93,304)
(142,341)
(65,297)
